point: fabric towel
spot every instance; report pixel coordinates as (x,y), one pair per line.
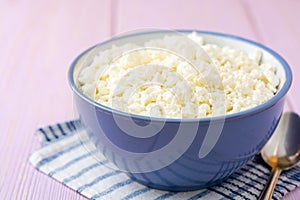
(63,157)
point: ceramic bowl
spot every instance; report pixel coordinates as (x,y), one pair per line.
(181,155)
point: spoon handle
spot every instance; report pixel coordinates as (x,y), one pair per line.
(270,186)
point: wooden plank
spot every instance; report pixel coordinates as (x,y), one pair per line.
(279,28)
(39,40)
(217,15)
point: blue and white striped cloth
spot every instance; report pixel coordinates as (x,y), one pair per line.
(64,158)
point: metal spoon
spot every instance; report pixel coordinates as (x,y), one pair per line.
(282,151)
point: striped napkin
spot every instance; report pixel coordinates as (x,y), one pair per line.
(64,158)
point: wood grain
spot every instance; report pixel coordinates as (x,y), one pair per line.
(40,39)
(220,16)
(279,29)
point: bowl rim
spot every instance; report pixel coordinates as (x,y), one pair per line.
(248,112)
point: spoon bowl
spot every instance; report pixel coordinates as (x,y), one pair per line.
(282,151)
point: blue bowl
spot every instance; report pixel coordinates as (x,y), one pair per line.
(183,154)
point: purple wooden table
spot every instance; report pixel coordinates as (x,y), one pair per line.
(39,39)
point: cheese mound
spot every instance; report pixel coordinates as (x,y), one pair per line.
(173,78)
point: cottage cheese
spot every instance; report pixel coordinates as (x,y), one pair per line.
(171,78)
